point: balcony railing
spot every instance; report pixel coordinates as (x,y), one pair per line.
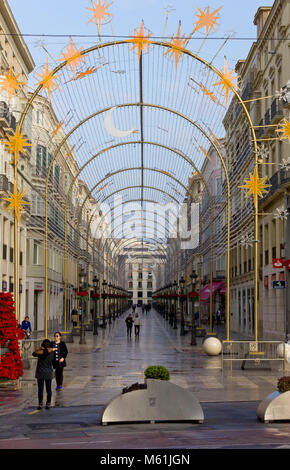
(276,110)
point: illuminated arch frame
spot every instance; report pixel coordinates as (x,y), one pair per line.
(210,66)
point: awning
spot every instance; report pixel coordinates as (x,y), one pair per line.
(223,289)
(205,292)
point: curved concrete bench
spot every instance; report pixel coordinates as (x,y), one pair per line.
(275,407)
(161,401)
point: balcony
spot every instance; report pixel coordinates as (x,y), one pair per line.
(276,111)
(261,130)
(3,183)
(7,119)
(280,178)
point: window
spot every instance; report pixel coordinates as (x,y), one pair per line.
(35,253)
(140,275)
(149,294)
(266,257)
(4,251)
(140,294)
(140,285)
(21,258)
(130,285)
(11,255)
(149,284)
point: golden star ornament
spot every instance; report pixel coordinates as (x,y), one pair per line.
(16,202)
(16,143)
(256,185)
(10,83)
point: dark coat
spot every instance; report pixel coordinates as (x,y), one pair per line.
(129,322)
(44,368)
(63,352)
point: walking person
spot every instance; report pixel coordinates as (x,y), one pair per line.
(44,372)
(59,361)
(129,323)
(137,324)
(74,317)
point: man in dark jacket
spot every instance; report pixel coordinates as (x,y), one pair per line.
(129,323)
(59,361)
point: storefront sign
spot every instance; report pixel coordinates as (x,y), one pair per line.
(4,286)
(279,284)
(38,286)
(278,263)
(287,263)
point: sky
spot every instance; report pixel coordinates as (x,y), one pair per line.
(70,17)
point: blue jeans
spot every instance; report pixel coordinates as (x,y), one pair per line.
(40,383)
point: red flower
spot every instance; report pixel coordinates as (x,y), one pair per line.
(10,363)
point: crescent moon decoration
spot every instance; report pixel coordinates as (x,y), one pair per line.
(111,129)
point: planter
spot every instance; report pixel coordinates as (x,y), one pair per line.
(9,384)
(160,401)
(275,407)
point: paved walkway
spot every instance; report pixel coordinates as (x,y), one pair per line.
(98,370)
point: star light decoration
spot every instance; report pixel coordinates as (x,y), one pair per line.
(47,79)
(263,152)
(283,94)
(227,81)
(176,44)
(256,186)
(285,164)
(16,144)
(10,83)
(284,127)
(247,240)
(73,57)
(207,19)
(100,13)
(140,41)
(281,213)
(16,202)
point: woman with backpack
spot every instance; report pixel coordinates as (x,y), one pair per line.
(44,372)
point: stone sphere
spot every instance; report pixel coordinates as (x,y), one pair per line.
(212,346)
(280,350)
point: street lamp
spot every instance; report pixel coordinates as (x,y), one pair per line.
(104,283)
(95,284)
(110,303)
(193,277)
(181,283)
(82,277)
(175,305)
(114,301)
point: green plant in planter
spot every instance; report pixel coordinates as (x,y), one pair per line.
(157,372)
(283,384)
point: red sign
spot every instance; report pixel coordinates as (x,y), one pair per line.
(287,263)
(278,263)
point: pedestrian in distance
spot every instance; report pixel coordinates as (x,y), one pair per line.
(59,362)
(74,317)
(26,327)
(44,372)
(133,308)
(143,308)
(129,323)
(218,316)
(137,324)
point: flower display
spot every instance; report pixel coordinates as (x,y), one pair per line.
(10,363)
